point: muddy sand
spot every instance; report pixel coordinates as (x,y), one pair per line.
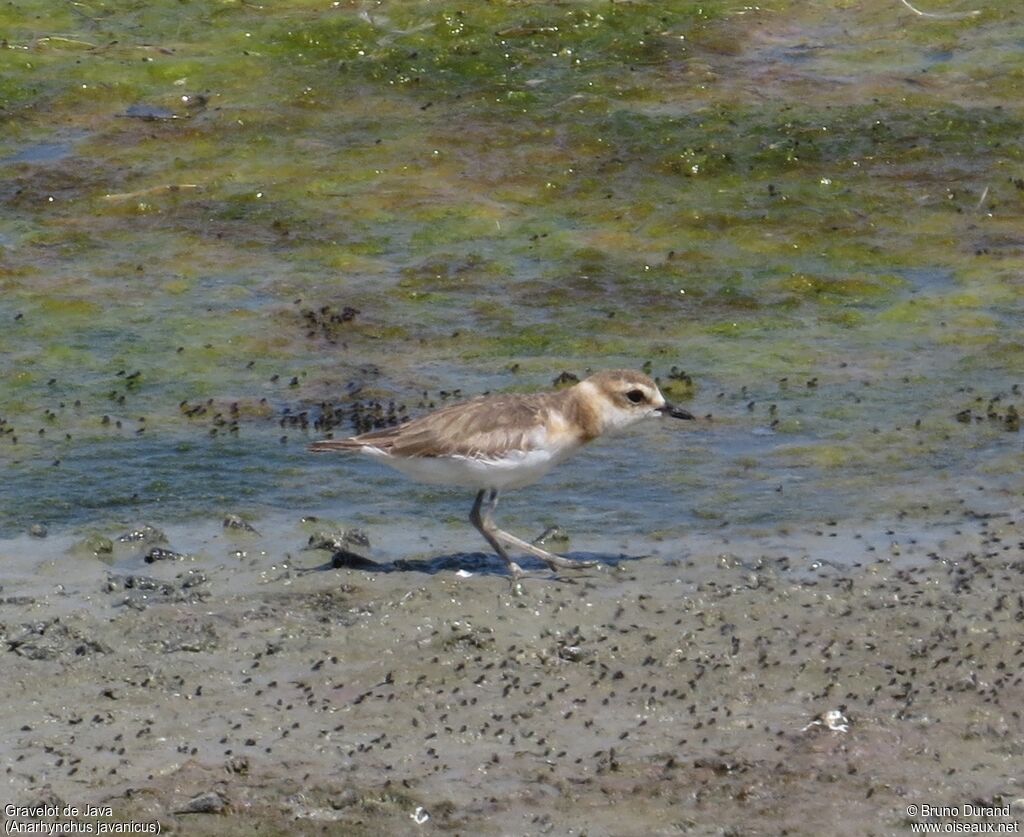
(225,690)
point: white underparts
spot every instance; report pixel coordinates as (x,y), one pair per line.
(513,470)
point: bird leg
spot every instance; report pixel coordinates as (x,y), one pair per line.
(494,534)
(486,528)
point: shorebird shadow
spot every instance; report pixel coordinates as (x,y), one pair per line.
(478,563)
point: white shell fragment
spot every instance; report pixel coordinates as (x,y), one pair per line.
(833,719)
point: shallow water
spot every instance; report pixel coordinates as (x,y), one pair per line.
(814,213)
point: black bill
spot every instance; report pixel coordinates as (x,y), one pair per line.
(674,411)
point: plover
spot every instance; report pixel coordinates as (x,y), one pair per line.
(497,442)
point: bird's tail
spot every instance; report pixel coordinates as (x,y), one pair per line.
(332,445)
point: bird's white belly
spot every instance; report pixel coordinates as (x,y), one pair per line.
(513,470)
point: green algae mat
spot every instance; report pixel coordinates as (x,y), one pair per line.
(226,225)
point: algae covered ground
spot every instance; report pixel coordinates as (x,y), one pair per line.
(219,215)
(229,227)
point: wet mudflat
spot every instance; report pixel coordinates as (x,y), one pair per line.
(229,228)
(687,691)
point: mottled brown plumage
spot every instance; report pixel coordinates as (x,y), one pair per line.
(491,425)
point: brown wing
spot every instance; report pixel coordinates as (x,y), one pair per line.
(486,426)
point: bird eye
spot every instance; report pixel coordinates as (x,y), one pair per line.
(635,395)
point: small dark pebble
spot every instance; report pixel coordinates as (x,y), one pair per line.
(336,541)
(210,802)
(136,582)
(143,534)
(572,653)
(159,554)
(193,578)
(233,521)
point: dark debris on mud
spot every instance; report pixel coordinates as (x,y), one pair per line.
(739,691)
